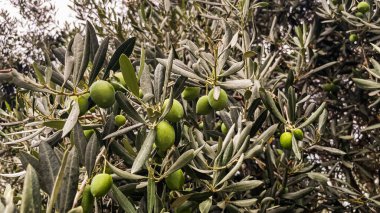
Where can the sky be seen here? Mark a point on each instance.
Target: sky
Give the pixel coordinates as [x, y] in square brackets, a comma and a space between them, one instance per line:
[63, 14]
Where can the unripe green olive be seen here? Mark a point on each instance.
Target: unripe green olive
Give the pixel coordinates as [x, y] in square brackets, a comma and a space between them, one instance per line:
[120, 120]
[176, 112]
[141, 94]
[203, 107]
[219, 104]
[298, 134]
[83, 103]
[286, 140]
[165, 136]
[175, 180]
[102, 93]
[87, 200]
[191, 93]
[201, 125]
[101, 184]
[88, 133]
[224, 129]
[359, 14]
[353, 37]
[363, 7]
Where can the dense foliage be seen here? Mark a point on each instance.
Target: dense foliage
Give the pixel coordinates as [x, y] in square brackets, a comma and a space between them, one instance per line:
[202, 106]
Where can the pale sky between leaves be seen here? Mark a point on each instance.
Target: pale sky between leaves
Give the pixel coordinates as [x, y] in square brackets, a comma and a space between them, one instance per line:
[64, 13]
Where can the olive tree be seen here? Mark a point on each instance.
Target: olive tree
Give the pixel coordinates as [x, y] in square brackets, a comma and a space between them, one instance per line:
[203, 106]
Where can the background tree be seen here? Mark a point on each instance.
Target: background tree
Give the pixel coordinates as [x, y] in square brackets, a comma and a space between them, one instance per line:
[25, 35]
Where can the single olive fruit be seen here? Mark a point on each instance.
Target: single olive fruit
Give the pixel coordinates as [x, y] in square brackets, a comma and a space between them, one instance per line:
[279, 152]
[119, 77]
[222, 101]
[87, 200]
[298, 134]
[88, 133]
[102, 93]
[363, 7]
[340, 8]
[120, 120]
[224, 129]
[175, 113]
[353, 37]
[359, 14]
[286, 140]
[201, 125]
[141, 94]
[203, 107]
[327, 87]
[101, 184]
[165, 136]
[83, 103]
[191, 93]
[175, 180]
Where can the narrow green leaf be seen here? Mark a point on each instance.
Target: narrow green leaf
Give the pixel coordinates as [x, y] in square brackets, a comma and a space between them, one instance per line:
[31, 197]
[368, 128]
[205, 206]
[78, 50]
[313, 116]
[129, 74]
[92, 150]
[125, 174]
[242, 186]
[366, 84]
[94, 43]
[57, 184]
[99, 60]
[295, 148]
[151, 198]
[71, 120]
[123, 131]
[328, 149]
[38, 73]
[271, 105]
[298, 194]
[182, 161]
[144, 152]
[232, 171]
[79, 140]
[244, 203]
[125, 48]
[124, 104]
[236, 67]
[70, 181]
[49, 166]
[123, 201]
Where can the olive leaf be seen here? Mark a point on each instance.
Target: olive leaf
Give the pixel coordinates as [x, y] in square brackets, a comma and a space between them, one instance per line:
[125, 48]
[31, 197]
[129, 74]
[70, 181]
[99, 60]
[48, 166]
[122, 200]
[313, 116]
[92, 150]
[144, 152]
[125, 174]
[271, 105]
[71, 120]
